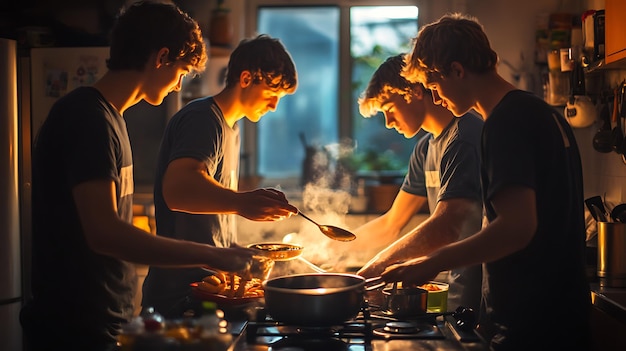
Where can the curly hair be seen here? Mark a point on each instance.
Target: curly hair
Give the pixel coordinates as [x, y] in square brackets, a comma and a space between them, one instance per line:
[267, 59]
[453, 38]
[144, 27]
[386, 81]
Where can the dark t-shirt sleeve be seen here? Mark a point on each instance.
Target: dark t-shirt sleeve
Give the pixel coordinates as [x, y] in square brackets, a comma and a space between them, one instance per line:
[460, 172]
[197, 136]
[414, 181]
[506, 151]
[91, 153]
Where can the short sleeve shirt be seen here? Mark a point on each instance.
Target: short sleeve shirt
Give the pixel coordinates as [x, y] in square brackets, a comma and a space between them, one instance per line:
[527, 143]
[197, 131]
[447, 166]
[83, 139]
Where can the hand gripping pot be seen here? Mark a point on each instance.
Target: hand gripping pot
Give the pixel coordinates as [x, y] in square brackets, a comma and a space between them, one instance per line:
[317, 300]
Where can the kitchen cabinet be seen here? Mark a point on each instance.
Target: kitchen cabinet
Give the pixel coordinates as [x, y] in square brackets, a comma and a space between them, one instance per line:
[607, 332]
[615, 27]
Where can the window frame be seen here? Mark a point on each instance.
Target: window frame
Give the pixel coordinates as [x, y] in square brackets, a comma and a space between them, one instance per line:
[345, 107]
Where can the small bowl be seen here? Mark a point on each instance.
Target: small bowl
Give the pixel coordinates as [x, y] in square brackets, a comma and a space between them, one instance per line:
[437, 296]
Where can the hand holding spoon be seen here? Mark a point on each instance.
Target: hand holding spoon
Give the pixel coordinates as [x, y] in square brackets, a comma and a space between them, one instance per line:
[330, 231]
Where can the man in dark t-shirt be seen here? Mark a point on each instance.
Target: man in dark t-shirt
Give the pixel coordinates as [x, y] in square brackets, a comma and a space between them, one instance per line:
[196, 195]
[83, 241]
[532, 193]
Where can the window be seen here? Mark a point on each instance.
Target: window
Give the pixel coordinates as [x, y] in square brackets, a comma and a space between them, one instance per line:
[336, 48]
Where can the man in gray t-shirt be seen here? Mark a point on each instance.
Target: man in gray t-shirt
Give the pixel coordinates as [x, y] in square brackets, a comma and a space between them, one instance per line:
[443, 174]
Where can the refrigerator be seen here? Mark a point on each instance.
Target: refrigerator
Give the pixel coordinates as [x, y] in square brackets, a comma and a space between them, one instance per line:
[11, 291]
[31, 80]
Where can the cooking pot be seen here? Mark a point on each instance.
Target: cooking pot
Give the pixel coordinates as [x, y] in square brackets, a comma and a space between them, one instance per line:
[318, 299]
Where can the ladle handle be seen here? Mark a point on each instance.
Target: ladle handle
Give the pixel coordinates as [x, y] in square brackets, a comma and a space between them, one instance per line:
[377, 283]
[307, 218]
[311, 265]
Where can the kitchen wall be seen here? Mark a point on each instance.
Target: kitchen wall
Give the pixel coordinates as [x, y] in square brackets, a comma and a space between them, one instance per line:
[512, 36]
[510, 25]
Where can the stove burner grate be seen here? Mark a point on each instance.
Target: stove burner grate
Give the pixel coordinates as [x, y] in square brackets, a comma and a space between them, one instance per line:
[407, 330]
[401, 327]
[364, 326]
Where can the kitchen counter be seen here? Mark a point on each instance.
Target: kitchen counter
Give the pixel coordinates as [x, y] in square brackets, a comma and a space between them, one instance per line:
[608, 318]
[612, 301]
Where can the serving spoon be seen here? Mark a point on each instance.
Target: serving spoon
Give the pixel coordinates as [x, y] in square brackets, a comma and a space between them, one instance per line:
[330, 231]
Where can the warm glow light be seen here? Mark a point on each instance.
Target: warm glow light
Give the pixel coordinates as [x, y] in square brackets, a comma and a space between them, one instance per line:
[321, 291]
[288, 238]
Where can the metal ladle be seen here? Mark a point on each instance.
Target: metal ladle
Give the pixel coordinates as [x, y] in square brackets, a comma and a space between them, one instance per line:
[330, 231]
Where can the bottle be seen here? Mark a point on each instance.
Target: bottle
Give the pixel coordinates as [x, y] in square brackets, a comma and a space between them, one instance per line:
[213, 332]
[130, 332]
[153, 338]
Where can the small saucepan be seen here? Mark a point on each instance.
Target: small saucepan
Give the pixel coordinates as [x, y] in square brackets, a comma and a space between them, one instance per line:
[405, 302]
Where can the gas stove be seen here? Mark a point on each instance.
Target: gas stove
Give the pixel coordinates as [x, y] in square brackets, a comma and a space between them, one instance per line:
[370, 330]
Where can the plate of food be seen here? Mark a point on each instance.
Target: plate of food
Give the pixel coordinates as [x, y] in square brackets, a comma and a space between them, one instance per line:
[228, 289]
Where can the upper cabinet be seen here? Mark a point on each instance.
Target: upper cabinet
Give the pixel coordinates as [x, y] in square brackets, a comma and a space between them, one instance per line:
[615, 30]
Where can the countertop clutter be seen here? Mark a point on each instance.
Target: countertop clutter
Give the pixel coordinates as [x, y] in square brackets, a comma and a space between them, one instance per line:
[367, 331]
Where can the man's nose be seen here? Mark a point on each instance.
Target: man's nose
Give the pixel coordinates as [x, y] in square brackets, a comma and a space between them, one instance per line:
[436, 98]
[273, 103]
[390, 121]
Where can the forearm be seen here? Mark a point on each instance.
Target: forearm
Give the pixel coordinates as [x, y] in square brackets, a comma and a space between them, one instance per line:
[386, 228]
[198, 193]
[511, 231]
[126, 242]
[450, 220]
[375, 234]
[429, 236]
[499, 239]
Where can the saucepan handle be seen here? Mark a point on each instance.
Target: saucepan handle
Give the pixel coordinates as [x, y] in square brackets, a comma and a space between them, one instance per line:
[374, 283]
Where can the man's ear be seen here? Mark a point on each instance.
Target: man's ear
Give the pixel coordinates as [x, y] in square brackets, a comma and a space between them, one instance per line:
[418, 92]
[161, 57]
[245, 79]
[457, 70]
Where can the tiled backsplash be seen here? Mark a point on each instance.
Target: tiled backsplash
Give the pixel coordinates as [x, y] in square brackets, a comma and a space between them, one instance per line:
[604, 174]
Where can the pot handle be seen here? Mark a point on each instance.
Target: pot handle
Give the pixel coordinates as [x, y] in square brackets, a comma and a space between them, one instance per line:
[377, 283]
